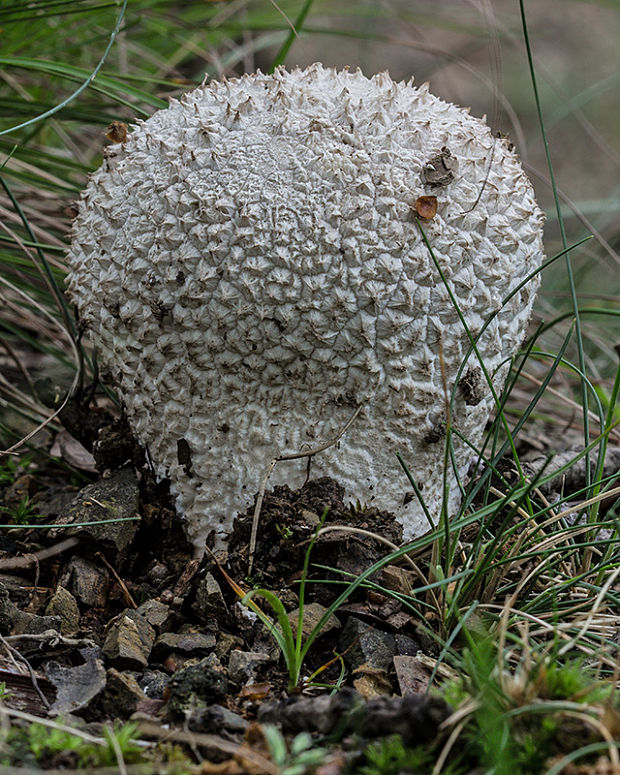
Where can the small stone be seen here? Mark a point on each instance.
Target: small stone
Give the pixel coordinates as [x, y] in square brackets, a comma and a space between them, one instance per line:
[154, 683]
[412, 675]
[129, 640]
[213, 719]
[87, 582]
[123, 695]
[373, 683]
[157, 614]
[196, 686]
[64, 606]
[226, 642]
[113, 498]
[190, 643]
[77, 686]
[242, 665]
[366, 645]
[311, 617]
[157, 574]
[25, 623]
[325, 713]
[7, 611]
[406, 645]
[209, 600]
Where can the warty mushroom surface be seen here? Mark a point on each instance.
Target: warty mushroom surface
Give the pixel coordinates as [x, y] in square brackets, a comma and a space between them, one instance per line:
[250, 266]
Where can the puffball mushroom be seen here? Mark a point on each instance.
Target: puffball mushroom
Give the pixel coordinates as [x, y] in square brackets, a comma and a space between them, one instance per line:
[250, 266]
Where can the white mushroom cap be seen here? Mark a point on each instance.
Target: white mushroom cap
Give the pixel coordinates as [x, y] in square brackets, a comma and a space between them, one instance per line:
[250, 267]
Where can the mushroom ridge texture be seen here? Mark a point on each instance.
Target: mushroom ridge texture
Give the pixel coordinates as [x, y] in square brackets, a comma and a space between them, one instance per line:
[249, 264]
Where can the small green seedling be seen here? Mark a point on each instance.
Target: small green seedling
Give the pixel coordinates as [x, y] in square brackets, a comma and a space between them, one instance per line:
[299, 759]
[118, 741]
[292, 646]
[22, 514]
[390, 756]
[5, 694]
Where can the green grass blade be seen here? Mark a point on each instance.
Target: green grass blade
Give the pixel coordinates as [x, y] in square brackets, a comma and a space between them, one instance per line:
[84, 85]
[569, 268]
[298, 24]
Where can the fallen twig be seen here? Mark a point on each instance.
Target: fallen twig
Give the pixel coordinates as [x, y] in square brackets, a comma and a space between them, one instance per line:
[209, 741]
[131, 603]
[54, 638]
[36, 557]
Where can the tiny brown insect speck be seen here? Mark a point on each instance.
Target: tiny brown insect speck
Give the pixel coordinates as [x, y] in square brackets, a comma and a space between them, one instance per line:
[426, 207]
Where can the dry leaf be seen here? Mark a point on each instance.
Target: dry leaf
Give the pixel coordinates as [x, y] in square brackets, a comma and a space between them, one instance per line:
[72, 452]
[116, 132]
[255, 692]
[426, 207]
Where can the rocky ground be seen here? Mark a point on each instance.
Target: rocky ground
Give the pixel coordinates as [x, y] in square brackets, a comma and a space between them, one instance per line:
[118, 620]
